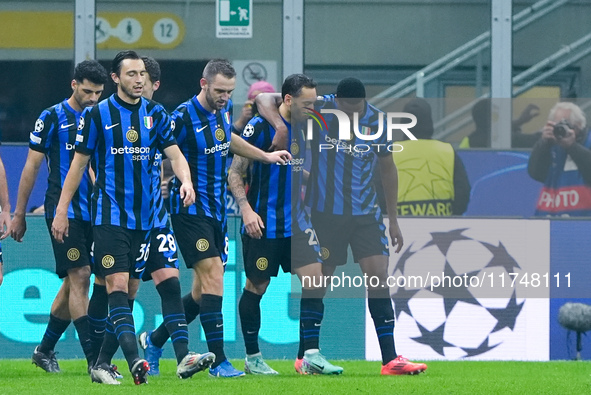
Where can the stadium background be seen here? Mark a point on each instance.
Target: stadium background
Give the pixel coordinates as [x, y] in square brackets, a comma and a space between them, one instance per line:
[391, 40]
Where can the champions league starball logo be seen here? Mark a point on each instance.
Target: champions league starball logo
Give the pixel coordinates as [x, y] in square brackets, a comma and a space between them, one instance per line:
[453, 318]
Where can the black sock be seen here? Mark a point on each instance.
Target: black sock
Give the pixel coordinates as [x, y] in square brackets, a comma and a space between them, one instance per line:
[109, 346]
[191, 308]
[301, 345]
[122, 319]
[98, 309]
[55, 329]
[213, 326]
[174, 316]
[160, 335]
[250, 319]
[311, 314]
[82, 328]
[380, 307]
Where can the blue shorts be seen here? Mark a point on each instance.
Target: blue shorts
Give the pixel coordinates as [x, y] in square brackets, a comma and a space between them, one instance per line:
[163, 252]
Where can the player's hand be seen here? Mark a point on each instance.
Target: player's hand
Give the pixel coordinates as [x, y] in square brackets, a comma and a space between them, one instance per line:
[280, 139]
[396, 235]
[19, 227]
[5, 225]
[60, 227]
[279, 157]
[187, 193]
[548, 132]
[253, 223]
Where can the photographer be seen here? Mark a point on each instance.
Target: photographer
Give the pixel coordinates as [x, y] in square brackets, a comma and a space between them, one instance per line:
[561, 159]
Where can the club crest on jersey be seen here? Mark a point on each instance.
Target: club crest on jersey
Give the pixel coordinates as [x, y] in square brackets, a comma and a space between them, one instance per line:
[262, 263]
[227, 117]
[294, 148]
[39, 125]
[220, 134]
[351, 137]
[132, 135]
[148, 122]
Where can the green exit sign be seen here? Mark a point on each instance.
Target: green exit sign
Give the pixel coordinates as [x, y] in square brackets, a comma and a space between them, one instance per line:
[234, 18]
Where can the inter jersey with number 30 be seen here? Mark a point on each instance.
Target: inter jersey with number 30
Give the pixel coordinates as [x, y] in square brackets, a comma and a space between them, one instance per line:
[123, 140]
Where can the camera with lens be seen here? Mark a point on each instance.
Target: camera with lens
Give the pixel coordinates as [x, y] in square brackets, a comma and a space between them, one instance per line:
[560, 129]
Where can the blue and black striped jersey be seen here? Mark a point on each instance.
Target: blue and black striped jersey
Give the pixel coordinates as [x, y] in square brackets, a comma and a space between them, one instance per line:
[55, 136]
[269, 193]
[298, 151]
[341, 177]
[123, 141]
[204, 139]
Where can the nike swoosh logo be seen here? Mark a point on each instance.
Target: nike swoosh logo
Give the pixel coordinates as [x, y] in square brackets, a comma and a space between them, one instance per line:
[172, 260]
[108, 127]
[139, 270]
[392, 320]
[66, 126]
[199, 130]
[251, 332]
[317, 324]
[219, 325]
[316, 365]
[182, 324]
[116, 321]
[95, 331]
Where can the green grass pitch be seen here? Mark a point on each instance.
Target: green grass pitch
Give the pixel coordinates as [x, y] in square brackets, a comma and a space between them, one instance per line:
[360, 377]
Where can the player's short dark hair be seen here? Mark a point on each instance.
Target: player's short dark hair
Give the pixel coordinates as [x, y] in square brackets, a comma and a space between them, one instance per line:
[92, 71]
[294, 84]
[119, 58]
[218, 66]
[152, 68]
[351, 88]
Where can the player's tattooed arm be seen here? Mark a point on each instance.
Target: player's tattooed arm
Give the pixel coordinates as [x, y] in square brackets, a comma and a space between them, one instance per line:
[236, 179]
[268, 106]
[252, 221]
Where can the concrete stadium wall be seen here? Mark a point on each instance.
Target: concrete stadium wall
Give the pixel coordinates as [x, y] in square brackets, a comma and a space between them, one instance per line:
[374, 33]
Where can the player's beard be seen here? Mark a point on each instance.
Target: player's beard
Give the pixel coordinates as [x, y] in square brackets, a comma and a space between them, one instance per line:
[129, 92]
[212, 103]
[299, 116]
[83, 104]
